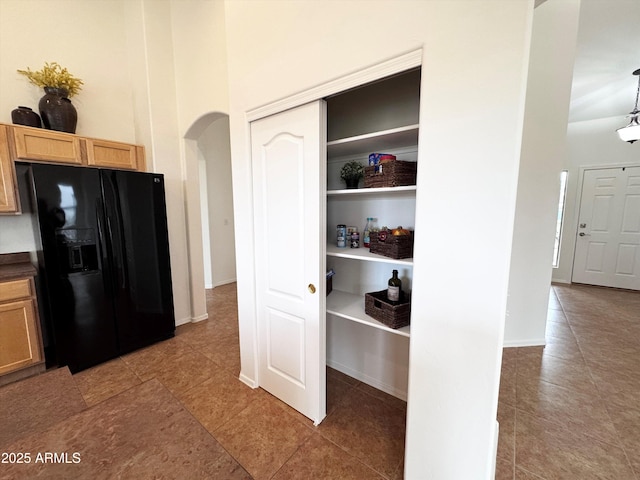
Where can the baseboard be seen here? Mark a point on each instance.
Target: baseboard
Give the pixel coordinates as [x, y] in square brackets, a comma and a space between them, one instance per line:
[374, 382]
[536, 342]
[224, 282]
[560, 281]
[247, 381]
[182, 321]
[199, 318]
[494, 457]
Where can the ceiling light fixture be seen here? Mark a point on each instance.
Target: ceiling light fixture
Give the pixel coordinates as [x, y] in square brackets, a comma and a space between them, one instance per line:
[631, 132]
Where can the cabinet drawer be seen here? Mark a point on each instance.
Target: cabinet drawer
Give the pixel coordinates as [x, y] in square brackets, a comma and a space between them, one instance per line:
[46, 145]
[15, 289]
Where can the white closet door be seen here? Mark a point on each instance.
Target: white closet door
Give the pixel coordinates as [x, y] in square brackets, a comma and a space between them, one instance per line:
[289, 186]
[608, 242]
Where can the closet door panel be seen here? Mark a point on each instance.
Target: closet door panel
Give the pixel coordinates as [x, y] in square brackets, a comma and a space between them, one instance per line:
[289, 205]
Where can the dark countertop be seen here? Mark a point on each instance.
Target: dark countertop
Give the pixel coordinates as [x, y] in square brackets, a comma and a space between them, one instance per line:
[16, 265]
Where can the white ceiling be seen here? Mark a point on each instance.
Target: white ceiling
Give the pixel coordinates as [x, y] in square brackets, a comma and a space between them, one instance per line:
[608, 51]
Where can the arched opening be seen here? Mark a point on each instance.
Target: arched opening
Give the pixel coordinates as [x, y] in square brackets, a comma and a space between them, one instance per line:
[209, 197]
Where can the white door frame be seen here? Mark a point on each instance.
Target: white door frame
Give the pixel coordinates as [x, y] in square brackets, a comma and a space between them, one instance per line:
[375, 72]
[578, 202]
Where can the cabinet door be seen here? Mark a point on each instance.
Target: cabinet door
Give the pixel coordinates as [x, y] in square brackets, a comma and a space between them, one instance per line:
[19, 339]
[289, 203]
[8, 197]
[46, 146]
[103, 153]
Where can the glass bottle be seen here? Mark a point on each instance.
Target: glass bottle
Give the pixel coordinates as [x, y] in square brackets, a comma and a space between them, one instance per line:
[366, 239]
[393, 289]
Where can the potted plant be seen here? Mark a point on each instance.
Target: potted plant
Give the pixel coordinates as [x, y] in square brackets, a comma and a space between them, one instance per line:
[56, 109]
[351, 173]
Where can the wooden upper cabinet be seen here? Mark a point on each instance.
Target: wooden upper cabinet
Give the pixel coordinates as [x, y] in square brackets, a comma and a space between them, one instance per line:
[9, 202]
[46, 146]
[104, 153]
[40, 145]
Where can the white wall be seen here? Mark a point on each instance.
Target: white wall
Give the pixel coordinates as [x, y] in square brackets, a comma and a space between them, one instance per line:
[544, 150]
[591, 143]
[216, 152]
[474, 71]
[33, 32]
[151, 70]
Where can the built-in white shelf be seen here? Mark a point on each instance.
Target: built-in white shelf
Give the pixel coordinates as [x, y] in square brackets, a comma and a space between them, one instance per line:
[374, 142]
[408, 189]
[364, 254]
[351, 307]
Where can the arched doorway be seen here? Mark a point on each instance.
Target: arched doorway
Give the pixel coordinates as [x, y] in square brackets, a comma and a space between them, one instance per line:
[209, 197]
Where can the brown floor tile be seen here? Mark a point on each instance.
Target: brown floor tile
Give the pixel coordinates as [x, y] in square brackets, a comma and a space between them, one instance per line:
[385, 397]
[218, 399]
[580, 412]
[225, 353]
[145, 362]
[141, 433]
[105, 381]
[336, 391]
[368, 429]
[536, 364]
[34, 404]
[185, 372]
[319, 459]
[504, 469]
[522, 474]
[507, 433]
[554, 452]
[262, 437]
[508, 378]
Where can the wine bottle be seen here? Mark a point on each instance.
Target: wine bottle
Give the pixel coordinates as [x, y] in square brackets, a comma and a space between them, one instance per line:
[393, 289]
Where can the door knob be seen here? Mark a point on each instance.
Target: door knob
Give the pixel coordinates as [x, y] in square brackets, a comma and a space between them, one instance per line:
[312, 288]
[582, 234]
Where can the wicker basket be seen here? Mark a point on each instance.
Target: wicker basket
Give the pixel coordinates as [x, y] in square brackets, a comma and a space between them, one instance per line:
[377, 306]
[390, 174]
[394, 246]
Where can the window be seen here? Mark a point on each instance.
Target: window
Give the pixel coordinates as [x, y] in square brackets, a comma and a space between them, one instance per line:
[561, 203]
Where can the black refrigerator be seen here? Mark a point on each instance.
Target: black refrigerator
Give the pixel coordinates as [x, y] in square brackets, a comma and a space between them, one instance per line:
[105, 275]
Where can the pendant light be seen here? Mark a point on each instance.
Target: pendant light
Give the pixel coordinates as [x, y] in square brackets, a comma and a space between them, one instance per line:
[631, 132]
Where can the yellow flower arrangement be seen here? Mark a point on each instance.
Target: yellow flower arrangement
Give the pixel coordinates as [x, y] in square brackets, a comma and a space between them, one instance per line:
[54, 76]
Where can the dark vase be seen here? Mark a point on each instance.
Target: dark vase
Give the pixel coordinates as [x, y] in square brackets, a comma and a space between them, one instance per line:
[25, 116]
[352, 182]
[57, 111]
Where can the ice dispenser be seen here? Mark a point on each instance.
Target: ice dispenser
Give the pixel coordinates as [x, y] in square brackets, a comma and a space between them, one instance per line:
[77, 249]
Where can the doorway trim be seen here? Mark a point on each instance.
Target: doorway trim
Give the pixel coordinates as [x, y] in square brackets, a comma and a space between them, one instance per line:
[375, 72]
[392, 66]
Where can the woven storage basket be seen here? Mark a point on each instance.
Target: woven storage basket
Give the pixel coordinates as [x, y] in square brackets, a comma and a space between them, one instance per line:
[390, 174]
[394, 246]
[377, 306]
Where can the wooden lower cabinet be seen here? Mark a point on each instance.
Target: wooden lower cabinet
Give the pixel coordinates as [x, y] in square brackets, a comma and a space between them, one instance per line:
[20, 340]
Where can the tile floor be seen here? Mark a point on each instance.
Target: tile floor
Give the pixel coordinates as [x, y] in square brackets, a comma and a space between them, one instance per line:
[177, 410]
[570, 410]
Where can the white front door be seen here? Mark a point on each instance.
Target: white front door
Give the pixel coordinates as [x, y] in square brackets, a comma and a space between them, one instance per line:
[289, 185]
[608, 239]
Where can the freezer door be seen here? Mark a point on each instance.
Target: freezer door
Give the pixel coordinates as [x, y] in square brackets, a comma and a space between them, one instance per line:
[74, 268]
[138, 240]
